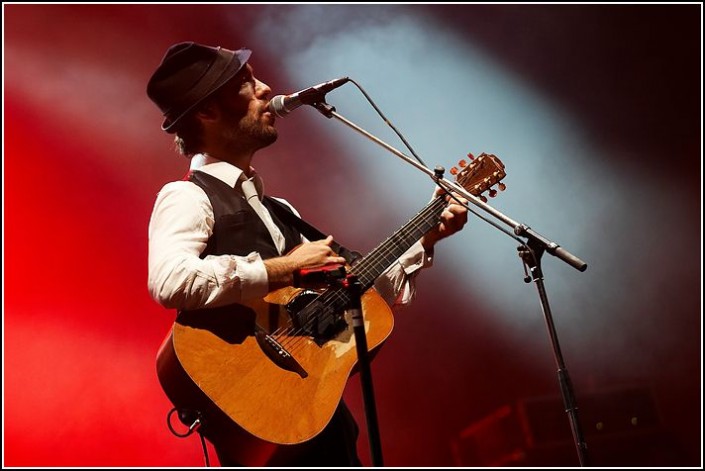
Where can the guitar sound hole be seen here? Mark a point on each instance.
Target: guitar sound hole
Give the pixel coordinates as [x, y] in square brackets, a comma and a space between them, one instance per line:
[314, 318]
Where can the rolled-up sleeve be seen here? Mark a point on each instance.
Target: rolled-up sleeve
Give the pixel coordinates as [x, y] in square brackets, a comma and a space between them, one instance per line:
[180, 226]
[397, 284]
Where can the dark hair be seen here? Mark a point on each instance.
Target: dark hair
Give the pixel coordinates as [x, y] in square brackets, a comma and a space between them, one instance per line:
[188, 138]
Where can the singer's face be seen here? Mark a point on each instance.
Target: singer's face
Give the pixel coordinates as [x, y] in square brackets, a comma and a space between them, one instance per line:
[247, 124]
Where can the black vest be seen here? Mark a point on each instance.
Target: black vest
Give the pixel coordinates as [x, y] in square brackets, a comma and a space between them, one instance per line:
[238, 230]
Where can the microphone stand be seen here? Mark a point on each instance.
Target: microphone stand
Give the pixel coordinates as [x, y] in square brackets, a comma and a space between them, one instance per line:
[530, 251]
[354, 287]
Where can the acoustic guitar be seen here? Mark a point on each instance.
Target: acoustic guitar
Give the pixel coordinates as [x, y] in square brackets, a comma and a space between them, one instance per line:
[278, 366]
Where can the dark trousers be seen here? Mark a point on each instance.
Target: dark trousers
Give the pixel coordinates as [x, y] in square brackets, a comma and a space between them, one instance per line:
[335, 446]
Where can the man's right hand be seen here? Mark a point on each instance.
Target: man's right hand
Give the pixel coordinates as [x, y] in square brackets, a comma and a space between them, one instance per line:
[314, 254]
[317, 253]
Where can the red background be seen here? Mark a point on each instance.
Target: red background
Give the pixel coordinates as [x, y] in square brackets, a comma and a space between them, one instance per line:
[82, 166]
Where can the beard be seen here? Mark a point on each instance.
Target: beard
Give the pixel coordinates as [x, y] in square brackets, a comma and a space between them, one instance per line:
[248, 132]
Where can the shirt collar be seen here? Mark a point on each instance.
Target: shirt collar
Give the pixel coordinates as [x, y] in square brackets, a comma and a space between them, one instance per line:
[225, 171]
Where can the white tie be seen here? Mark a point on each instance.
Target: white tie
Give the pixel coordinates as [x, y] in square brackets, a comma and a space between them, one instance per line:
[250, 192]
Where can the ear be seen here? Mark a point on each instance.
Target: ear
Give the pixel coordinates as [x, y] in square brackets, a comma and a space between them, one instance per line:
[208, 112]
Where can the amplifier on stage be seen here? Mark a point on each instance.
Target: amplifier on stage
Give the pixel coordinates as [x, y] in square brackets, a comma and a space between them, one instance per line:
[621, 427]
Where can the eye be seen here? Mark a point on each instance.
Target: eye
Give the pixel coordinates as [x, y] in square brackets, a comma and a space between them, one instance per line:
[247, 79]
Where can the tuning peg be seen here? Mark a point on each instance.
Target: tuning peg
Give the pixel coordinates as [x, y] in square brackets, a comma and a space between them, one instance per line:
[462, 163]
[501, 186]
[484, 200]
[492, 192]
[470, 156]
[453, 171]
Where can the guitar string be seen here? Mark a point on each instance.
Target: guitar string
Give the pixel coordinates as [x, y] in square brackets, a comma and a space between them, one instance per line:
[338, 296]
[333, 298]
[329, 299]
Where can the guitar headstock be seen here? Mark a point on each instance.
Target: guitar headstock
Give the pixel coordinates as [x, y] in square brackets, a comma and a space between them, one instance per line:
[480, 174]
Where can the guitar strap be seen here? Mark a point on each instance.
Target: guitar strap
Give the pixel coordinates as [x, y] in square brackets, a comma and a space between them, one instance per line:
[308, 231]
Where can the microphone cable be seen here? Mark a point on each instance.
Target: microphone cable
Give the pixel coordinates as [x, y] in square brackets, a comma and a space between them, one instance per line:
[389, 123]
[436, 177]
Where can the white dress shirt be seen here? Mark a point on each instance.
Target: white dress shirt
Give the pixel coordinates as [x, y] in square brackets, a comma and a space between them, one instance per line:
[181, 224]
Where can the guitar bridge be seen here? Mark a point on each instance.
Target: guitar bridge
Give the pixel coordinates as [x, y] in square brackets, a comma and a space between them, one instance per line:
[278, 354]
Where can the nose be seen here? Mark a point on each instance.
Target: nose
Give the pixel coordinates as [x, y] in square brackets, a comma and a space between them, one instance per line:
[262, 89]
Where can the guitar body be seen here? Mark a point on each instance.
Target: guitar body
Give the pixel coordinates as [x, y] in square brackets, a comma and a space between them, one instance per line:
[272, 372]
[219, 353]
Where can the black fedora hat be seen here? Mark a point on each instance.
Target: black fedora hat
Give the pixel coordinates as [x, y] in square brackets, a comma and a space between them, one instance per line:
[189, 73]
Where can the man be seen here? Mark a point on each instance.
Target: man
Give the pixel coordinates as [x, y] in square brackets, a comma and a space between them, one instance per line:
[215, 244]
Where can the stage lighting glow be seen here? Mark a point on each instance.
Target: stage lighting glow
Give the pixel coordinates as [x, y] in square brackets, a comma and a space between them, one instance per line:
[448, 98]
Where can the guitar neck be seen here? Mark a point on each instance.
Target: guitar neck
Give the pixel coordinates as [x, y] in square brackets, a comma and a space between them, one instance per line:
[370, 267]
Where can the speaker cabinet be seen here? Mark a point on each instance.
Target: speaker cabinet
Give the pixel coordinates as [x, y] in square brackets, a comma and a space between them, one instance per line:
[621, 428]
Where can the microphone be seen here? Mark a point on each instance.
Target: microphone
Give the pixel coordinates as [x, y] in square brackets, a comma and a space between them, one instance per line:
[318, 277]
[282, 105]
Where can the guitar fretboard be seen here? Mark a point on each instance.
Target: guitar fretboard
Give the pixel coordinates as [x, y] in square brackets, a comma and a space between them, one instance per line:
[372, 265]
[386, 253]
